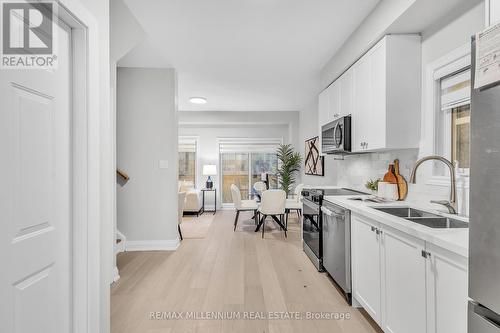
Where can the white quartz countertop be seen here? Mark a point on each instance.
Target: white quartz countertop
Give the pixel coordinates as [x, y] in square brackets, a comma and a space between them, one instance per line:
[455, 240]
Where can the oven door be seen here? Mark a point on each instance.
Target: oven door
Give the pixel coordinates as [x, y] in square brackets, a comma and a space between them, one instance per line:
[311, 231]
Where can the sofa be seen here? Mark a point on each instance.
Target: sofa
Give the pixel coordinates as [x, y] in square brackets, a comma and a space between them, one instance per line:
[193, 200]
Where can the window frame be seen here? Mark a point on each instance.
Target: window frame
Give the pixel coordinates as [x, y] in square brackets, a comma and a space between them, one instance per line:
[196, 163]
[243, 141]
[453, 62]
[444, 123]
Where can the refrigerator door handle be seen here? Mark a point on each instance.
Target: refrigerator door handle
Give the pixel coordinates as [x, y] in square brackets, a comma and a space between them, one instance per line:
[482, 320]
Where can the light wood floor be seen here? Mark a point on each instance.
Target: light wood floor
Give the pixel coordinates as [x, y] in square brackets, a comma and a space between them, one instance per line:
[229, 272]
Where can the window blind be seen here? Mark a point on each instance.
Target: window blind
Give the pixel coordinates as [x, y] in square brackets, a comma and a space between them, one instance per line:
[249, 145]
[187, 145]
[455, 90]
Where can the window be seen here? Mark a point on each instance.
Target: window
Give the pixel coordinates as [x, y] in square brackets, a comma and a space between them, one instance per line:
[242, 161]
[187, 160]
[453, 130]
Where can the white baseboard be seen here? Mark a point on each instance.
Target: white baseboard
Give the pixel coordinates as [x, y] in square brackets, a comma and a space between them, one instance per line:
[116, 274]
[153, 245]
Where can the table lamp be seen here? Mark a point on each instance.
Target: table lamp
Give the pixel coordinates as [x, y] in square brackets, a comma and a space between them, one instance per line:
[209, 170]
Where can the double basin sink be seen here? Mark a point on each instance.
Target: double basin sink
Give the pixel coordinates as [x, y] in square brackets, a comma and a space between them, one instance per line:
[424, 218]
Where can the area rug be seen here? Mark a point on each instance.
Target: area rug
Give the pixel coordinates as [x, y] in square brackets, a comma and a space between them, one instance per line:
[193, 227]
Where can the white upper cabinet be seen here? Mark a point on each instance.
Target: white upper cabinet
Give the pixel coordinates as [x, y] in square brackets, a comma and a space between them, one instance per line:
[323, 106]
[386, 112]
[361, 118]
[337, 100]
[346, 93]
[334, 101]
[382, 93]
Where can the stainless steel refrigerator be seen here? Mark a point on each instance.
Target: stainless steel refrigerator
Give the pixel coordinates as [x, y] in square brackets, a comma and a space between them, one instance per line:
[484, 230]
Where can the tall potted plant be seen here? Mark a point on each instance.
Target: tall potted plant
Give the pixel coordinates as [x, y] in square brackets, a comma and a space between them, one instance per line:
[288, 165]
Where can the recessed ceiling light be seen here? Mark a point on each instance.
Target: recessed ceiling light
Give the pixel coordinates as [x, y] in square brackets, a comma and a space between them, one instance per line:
[198, 100]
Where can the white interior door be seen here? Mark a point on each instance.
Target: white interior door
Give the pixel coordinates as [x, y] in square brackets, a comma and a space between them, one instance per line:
[35, 197]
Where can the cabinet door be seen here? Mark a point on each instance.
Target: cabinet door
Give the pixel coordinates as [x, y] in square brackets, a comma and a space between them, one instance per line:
[334, 101]
[366, 266]
[346, 93]
[362, 102]
[403, 283]
[376, 127]
[322, 113]
[323, 108]
[447, 289]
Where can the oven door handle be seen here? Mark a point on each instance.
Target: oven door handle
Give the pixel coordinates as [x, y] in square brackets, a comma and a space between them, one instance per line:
[330, 213]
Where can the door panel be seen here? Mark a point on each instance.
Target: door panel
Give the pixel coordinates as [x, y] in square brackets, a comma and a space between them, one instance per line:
[362, 102]
[333, 101]
[376, 129]
[35, 197]
[403, 283]
[346, 93]
[366, 266]
[446, 291]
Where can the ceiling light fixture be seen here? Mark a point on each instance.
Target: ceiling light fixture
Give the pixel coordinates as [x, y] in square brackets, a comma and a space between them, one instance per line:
[198, 100]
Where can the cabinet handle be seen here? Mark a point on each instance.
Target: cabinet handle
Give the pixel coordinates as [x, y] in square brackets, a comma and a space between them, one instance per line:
[373, 228]
[379, 232]
[426, 254]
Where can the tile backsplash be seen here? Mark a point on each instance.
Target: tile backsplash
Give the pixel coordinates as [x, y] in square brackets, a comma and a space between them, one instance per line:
[355, 170]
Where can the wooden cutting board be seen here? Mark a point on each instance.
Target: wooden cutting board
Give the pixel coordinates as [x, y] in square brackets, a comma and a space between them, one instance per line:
[390, 176]
[402, 185]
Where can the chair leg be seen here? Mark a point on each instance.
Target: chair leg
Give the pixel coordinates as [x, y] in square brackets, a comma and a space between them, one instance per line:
[236, 219]
[286, 222]
[256, 216]
[263, 224]
[179, 228]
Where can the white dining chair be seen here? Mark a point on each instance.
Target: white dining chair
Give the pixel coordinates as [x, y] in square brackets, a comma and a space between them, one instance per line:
[272, 204]
[294, 203]
[242, 205]
[180, 204]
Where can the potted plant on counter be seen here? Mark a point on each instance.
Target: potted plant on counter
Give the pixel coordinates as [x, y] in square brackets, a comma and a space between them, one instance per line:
[372, 185]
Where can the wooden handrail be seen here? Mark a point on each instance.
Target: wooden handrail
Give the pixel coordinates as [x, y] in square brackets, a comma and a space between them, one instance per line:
[122, 174]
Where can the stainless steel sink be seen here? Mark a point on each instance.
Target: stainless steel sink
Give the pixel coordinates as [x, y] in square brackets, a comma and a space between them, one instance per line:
[427, 219]
[405, 212]
[439, 222]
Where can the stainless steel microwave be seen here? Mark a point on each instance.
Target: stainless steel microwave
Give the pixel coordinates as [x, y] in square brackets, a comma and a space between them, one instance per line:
[336, 136]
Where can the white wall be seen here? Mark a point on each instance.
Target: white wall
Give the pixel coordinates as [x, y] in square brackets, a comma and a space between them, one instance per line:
[147, 133]
[209, 126]
[372, 29]
[442, 37]
[125, 33]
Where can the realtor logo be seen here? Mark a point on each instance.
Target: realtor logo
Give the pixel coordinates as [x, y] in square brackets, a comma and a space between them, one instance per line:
[28, 34]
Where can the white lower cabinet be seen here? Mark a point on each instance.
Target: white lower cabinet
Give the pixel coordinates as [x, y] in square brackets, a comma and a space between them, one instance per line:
[366, 272]
[405, 284]
[447, 294]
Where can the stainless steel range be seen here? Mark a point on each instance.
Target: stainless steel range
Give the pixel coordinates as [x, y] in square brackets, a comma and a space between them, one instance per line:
[312, 221]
